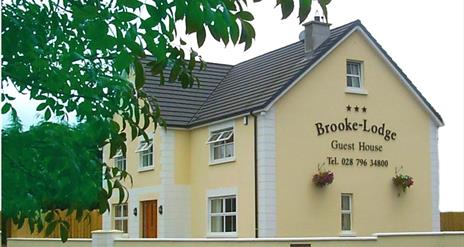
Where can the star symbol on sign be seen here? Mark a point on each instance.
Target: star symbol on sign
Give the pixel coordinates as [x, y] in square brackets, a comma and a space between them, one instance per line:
[364, 109]
[356, 108]
[348, 108]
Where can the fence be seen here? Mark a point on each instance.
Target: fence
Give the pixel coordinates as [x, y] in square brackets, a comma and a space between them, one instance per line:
[115, 239]
[81, 229]
[452, 221]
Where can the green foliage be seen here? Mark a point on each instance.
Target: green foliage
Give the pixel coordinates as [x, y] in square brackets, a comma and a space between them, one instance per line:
[64, 167]
[75, 57]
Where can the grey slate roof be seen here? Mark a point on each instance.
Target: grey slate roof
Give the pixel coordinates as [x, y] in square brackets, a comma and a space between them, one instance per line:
[179, 105]
[227, 91]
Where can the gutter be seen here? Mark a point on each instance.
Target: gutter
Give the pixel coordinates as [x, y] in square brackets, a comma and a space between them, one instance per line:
[255, 139]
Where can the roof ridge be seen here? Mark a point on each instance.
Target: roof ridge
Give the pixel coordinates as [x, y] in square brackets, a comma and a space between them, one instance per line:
[194, 120]
[349, 26]
[282, 47]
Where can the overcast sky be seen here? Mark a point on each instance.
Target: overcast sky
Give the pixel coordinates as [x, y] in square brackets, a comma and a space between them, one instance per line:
[423, 37]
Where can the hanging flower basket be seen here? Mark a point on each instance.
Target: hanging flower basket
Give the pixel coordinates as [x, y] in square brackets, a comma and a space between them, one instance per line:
[402, 181]
[322, 178]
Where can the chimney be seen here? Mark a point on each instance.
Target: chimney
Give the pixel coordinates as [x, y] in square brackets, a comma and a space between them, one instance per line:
[315, 33]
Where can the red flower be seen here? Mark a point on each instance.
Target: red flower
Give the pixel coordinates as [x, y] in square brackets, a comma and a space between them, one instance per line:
[322, 179]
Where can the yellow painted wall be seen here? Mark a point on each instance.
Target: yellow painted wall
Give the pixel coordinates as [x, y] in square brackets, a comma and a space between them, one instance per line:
[239, 174]
[182, 157]
[140, 178]
[305, 210]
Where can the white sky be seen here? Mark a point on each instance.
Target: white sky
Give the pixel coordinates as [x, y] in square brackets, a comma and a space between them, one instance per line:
[424, 37]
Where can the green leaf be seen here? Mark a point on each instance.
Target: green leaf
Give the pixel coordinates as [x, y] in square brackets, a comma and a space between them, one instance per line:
[158, 67]
[41, 106]
[50, 228]
[180, 9]
[133, 4]
[6, 107]
[286, 6]
[139, 74]
[135, 48]
[234, 32]
[63, 232]
[49, 216]
[122, 61]
[48, 114]
[126, 16]
[201, 36]
[174, 72]
[31, 225]
[305, 8]
[245, 15]
[121, 195]
[324, 4]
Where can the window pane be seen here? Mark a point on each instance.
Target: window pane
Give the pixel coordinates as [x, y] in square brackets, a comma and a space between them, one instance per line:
[124, 210]
[353, 68]
[124, 226]
[346, 202]
[216, 206]
[229, 148]
[346, 222]
[118, 225]
[231, 139]
[349, 83]
[217, 224]
[230, 205]
[230, 223]
[355, 82]
[117, 211]
[214, 137]
[226, 135]
[218, 152]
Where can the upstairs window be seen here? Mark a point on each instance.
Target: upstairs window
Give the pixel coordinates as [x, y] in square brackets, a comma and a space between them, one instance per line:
[120, 161]
[145, 151]
[221, 145]
[353, 74]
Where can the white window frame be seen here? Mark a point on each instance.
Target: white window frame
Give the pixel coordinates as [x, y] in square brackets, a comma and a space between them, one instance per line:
[349, 212]
[223, 214]
[145, 149]
[220, 134]
[121, 218]
[351, 89]
[120, 160]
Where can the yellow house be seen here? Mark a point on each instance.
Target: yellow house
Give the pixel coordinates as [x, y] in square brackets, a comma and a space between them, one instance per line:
[242, 153]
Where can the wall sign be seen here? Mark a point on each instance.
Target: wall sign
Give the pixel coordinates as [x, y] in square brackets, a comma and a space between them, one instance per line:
[359, 147]
[348, 125]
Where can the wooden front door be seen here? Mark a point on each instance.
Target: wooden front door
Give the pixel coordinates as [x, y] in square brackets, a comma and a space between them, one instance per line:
[150, 219]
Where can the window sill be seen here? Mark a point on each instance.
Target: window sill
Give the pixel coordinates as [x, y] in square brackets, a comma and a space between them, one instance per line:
[146, 168]
[221, 235]
[355, 90]
[347, 234]
[222, 161]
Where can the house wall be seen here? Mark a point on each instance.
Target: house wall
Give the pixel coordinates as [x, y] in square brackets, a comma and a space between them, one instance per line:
[235, 177]
[306, 210]
[289, 151]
